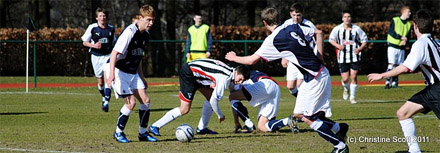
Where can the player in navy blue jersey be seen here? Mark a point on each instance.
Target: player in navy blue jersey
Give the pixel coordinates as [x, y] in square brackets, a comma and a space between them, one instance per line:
[264, 92]
[425, 54]
[291, 41]
[126, 77]
[100, 37]
[210, 77]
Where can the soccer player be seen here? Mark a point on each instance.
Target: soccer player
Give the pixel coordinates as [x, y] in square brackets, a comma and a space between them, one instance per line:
[290, 41]
[100, 37]
[397, 38]
[199, 41]
[264, 93]
[210, 77]
[349, 41]
[293, 76]
[126, 76]
[425, 54]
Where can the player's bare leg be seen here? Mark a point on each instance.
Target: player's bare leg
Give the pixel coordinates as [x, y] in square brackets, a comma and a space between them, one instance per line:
[345, 84]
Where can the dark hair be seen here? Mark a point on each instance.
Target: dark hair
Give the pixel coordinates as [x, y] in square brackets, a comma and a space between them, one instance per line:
[423, 21]
[243, 70]
[101, 10]
[345, 11]
[297, 8]
[269, 15]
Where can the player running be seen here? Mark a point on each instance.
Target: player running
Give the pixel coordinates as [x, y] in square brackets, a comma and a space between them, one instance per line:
[425, 54]
[290, 41]
[211, 78]
[349, 41]
[100, 37]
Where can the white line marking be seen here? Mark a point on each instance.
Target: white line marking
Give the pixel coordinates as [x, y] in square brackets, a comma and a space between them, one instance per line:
[35, 150]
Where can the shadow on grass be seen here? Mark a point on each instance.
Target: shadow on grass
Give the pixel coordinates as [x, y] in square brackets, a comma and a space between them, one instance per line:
[21, 113]
[164, 109]
[235, 136]
[367, 118]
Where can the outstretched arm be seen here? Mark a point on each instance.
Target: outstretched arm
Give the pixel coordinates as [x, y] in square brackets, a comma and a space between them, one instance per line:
[248, 60]
[395, 72]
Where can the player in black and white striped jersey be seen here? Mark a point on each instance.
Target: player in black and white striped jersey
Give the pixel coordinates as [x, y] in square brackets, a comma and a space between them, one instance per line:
[425, 53]
[210, 77]
[349, 40]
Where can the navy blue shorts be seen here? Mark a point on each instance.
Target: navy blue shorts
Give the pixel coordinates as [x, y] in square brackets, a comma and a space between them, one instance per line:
[429, 98]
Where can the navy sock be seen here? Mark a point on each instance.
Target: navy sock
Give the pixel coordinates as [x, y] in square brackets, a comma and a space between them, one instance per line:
[241, 110]
[324, 131]
[275, 124]
[396, 79]
[107, 94]
[327, 121]
[122, 121]
[388, 79]
[144, 116]
[102, 92]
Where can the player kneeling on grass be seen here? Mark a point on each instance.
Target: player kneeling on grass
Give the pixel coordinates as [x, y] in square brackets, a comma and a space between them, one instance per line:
[126, 77]
[425, 54]
[289, 41]
[211, 78]
[264, 93]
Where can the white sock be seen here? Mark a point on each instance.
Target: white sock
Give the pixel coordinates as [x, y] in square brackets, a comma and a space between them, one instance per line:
[335, 127]
[206, 115]
[168, 117]
[285, 121]
[346, 86]
[248, 123]
[340, 145]
[409, 131]
[353, 90]
[145, 106]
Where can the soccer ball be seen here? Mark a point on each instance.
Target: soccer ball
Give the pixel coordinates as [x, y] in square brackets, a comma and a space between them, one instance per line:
[184, 133]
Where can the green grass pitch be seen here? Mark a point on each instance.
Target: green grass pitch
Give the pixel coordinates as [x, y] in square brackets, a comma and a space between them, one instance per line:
[71, 120]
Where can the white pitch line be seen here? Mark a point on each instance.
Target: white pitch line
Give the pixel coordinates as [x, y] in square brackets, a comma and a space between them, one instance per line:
[35, 150]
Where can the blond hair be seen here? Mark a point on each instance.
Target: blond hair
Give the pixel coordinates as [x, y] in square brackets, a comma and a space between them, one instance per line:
[146, 10]
[403, 9]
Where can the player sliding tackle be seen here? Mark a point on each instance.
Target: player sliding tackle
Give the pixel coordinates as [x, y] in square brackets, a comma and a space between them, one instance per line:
[290, 41]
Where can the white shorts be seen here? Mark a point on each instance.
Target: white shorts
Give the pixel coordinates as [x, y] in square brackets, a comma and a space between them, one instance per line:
[265, 94]
[98, 63]
[292, 72]
[314, 96]
[396, 56]
[125, 83]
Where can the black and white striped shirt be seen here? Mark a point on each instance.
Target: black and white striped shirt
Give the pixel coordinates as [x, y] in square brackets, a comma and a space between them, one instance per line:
[213, 73]
[352, 40]
[425, 53]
